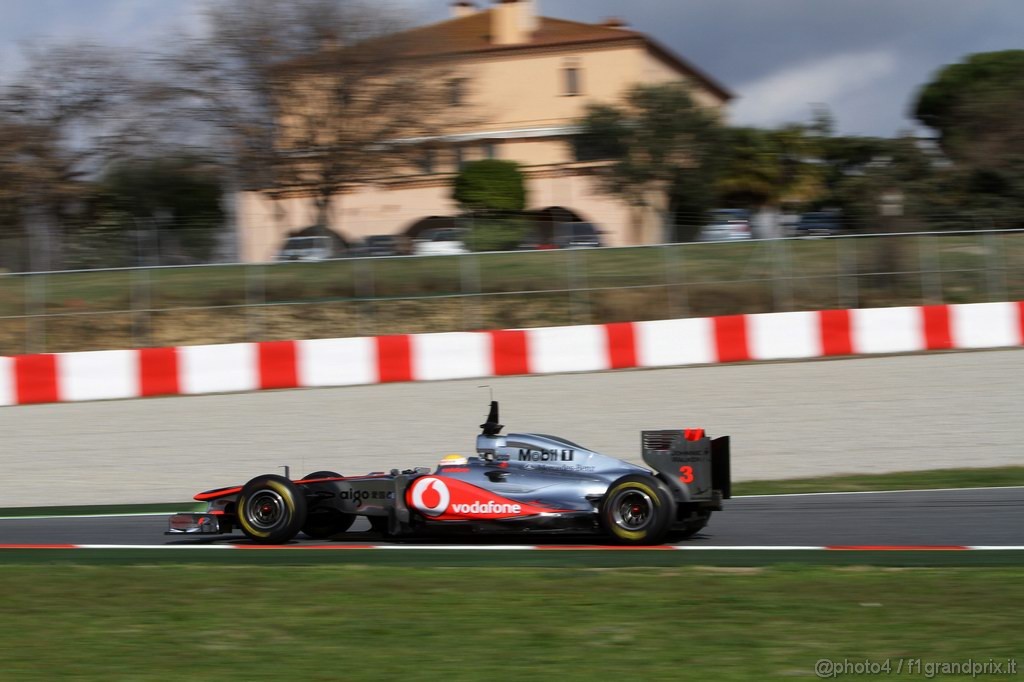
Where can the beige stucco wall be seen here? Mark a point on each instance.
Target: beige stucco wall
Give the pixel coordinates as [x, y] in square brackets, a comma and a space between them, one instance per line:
[377, 210]
[507, 94]
[511, 91]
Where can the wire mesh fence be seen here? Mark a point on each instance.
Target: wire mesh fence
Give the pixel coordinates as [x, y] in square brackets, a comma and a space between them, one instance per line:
[223, 303]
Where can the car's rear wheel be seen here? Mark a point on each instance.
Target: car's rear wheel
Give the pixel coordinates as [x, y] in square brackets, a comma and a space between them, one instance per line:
[271, 509]
[323, 522]
[637, 510]
[691, 526]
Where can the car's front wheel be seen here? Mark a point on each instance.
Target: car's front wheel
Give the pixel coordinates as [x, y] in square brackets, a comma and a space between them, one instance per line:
[271, 510]
[637, 510]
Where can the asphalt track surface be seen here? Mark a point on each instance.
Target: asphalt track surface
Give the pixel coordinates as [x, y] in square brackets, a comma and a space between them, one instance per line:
[970, 517]
[787, 420]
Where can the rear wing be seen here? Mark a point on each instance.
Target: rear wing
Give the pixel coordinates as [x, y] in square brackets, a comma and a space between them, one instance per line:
[695, 466]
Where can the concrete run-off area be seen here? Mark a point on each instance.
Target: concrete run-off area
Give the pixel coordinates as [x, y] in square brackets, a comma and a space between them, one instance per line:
[863, 415]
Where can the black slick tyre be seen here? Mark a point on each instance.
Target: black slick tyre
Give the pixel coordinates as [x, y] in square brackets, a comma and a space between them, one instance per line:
[691, 527]
[271, 510]
[323, 522]
[637, 510]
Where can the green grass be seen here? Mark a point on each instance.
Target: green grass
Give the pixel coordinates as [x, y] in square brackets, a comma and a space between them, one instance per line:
[385, 623]
[902, 480]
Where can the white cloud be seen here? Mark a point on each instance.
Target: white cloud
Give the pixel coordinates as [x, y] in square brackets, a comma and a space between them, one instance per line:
[787, 95]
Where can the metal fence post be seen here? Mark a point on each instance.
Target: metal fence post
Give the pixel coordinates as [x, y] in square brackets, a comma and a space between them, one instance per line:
[577, 277]
[255, 298]
[782, 285]
[931, 270]
[469, 276]
[853, 263]
[363, 287]
[670, 294]
[996, 266]
[141, 303]
[35, 309]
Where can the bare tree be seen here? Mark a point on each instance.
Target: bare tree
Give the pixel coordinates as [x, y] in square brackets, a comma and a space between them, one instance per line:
[308, 97]
[64, 116]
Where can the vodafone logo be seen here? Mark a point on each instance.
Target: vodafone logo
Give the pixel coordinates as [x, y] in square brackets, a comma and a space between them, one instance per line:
[430, 496]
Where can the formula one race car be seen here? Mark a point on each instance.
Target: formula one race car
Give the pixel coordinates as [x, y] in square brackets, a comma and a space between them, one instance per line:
[525, 482]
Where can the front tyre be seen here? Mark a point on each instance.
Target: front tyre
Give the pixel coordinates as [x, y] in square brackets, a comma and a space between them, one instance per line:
[637, 510]
[271, 510]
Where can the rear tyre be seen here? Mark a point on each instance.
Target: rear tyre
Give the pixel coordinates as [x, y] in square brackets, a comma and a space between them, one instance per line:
[271, 510]
[691, 527]
[324, 522]
[637, 510]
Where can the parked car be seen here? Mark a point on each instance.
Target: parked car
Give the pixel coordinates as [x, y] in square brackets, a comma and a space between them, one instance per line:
[380, 245]
[819, 223]
[578, 236]
[440, 242]
[306, 248]
[564, 236]
[727, 224]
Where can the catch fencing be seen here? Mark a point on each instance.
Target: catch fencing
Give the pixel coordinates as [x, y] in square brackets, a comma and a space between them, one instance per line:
[138, 307]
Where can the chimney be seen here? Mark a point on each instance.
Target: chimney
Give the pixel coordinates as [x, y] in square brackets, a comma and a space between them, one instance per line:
[513, 22]
[615, 22]
[463, 8]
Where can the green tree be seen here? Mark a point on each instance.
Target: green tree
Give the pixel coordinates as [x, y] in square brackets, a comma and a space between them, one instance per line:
[956, 102]
[174, 204]
[975, 106]
[493, 193]
[762, 168]
[489, 186]
[652, 142]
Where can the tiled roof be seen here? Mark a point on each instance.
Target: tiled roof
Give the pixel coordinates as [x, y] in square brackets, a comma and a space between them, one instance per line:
[472, 34]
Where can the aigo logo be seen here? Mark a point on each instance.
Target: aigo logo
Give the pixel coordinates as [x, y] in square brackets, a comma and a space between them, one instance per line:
[430, 496]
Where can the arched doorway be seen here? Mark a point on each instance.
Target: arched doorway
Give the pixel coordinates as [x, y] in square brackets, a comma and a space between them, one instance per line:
[547, 220]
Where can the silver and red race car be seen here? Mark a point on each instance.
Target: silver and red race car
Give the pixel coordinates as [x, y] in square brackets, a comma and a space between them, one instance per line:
[520, 482]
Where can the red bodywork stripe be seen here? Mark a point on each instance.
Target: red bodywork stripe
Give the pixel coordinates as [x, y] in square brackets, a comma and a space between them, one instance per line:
[836, 338]
[214, 494]
[731, 338]
[937, 335]
[278, 367]
[158, 372]
[394, 359]
[35, 378]
[621, 345]
[510, 353]
[693, 434]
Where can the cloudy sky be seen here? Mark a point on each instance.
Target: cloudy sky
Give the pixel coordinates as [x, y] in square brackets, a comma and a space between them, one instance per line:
[864, 59]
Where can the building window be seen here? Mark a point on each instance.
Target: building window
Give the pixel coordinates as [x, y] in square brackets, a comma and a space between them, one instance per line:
[427, 161]
[460, 158]
[457, 92]
[572, 76]
[490, 150]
